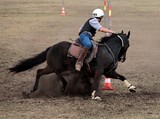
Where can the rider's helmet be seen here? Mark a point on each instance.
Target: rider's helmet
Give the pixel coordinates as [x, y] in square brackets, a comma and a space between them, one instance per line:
[97, 13]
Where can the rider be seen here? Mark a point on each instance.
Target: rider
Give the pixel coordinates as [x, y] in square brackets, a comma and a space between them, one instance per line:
[87, 31]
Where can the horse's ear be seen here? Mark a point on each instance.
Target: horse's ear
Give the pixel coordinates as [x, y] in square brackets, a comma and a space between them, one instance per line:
[128, 34]
[122, 31]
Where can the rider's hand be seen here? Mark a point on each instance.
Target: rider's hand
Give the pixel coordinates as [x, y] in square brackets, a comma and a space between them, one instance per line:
[113, 32]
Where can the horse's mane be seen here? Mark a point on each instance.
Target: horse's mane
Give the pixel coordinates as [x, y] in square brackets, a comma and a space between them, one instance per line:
[106, 38]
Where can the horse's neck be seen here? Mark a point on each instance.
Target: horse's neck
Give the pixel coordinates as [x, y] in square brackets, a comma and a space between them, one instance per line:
[115, 47]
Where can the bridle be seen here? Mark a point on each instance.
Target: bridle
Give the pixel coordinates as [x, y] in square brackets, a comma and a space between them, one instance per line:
[112, 66]
[122, 56]
[122, 44]
[121, 40]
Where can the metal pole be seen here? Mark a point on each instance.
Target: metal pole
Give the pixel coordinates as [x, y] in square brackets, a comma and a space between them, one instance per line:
[105, 13]
[63, 3]
[109, 15]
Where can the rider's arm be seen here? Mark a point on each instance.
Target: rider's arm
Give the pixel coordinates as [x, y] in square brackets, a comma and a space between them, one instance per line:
[95, 24]
[102, 29]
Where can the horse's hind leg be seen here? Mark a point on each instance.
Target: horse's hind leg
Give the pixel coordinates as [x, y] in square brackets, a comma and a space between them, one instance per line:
[32, 94]
[64, 82]
[41, 72]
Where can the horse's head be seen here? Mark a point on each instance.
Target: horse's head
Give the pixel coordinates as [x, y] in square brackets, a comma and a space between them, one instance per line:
[125, 45]
[123, 40]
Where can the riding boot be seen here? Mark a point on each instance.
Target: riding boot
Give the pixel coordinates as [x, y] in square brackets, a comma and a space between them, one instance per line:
[81, 58]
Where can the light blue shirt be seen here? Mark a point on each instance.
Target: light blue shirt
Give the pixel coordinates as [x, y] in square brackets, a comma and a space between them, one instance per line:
[95, 23]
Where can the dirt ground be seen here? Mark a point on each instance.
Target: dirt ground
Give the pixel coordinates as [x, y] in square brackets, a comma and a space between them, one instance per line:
[28, 27]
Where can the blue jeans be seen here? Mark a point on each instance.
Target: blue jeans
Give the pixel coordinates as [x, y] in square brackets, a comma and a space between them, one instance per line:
[85, 40]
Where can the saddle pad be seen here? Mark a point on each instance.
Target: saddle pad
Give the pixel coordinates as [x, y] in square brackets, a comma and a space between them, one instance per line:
[74, 50]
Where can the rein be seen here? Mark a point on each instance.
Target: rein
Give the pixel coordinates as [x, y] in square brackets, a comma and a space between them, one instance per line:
[105, 44]
[114, 61]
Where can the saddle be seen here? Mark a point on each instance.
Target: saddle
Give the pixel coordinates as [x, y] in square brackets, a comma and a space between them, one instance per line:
[75, 49]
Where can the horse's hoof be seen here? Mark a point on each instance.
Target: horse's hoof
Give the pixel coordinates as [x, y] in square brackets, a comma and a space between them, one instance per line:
[62, 88]
[94, 97]
[132, 89]
[25, 95]
[33, 90]
[97, 98]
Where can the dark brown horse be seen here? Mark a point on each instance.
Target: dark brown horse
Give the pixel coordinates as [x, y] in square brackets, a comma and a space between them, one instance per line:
[111, 50]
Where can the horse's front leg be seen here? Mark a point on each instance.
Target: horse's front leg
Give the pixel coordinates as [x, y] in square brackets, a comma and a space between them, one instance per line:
[95, 85]
[131, 88]
[115, 75]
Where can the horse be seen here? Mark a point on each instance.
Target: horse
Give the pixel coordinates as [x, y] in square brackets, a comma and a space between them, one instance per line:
[111, 50]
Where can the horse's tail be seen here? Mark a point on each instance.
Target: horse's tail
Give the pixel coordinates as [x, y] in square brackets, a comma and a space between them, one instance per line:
[30, 62]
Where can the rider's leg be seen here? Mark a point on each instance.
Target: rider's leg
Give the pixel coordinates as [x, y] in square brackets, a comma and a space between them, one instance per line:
[85, 40]
[81, 58]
